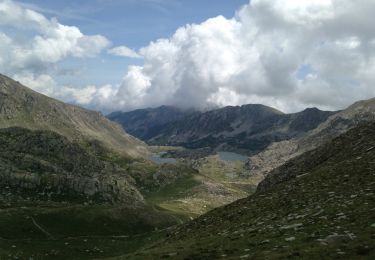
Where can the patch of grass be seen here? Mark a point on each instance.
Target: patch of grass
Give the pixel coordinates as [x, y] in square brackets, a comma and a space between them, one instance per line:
[75, 247]
[167, 197]
[69, 231]
[172, 191]
[215, 183]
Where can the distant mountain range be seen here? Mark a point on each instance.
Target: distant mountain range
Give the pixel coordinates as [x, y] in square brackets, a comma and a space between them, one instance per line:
[248, 128]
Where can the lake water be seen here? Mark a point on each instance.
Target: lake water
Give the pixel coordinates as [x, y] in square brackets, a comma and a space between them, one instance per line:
[156, 158]
[229, 156]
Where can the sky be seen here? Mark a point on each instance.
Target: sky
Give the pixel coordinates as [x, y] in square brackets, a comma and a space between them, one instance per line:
[111, 55]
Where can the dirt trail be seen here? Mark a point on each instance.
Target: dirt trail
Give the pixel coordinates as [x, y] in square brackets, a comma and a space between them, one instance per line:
[49, 235]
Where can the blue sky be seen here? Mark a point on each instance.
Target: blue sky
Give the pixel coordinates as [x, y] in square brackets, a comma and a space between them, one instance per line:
[134, 23]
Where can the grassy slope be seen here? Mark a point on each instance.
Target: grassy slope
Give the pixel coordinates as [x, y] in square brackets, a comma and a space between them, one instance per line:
[214, 184]
[74, 231]
[327, 212]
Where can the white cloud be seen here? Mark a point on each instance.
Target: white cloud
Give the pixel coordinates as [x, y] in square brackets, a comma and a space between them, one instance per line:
[124, 51]
[255, 58]
[43, 83]
[91, 96]
[35, 42]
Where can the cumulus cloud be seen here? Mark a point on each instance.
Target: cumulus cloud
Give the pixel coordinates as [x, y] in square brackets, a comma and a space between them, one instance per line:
[284, 53]
[89, 96]
[43, 83]
[35, 42]
[124, 51]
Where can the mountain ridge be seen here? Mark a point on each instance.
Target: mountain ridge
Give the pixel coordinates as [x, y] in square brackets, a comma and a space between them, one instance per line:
[249, 128]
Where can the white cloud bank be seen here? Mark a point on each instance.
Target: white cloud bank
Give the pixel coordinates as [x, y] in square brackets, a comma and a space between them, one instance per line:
[285, 53]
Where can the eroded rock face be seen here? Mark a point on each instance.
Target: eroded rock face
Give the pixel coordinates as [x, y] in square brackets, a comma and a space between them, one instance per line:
[46, 163]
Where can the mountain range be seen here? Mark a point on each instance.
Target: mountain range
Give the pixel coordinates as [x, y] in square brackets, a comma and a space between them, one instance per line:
[249, 128]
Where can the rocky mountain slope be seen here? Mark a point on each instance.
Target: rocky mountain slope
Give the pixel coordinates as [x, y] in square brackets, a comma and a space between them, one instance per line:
[49, 166]
[320, 206]
[280, 152]
[249, 128]
[22, 107]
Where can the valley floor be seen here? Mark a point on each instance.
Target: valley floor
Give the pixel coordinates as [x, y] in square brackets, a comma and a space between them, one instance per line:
[47, 228]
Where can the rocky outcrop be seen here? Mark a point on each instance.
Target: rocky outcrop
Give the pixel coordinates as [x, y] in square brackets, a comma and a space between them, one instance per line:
[47, 164]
